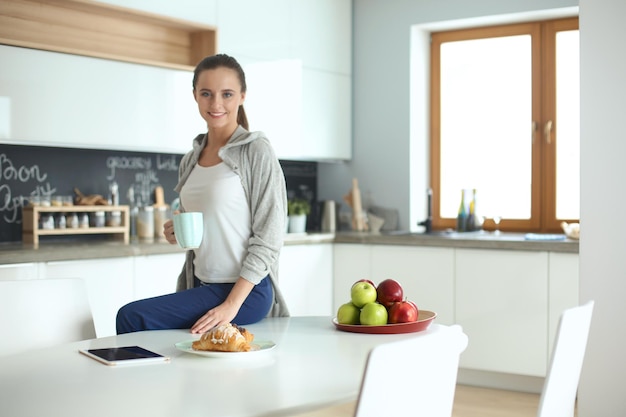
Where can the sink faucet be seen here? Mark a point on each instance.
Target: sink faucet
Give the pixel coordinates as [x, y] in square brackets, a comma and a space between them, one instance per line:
[428, 223]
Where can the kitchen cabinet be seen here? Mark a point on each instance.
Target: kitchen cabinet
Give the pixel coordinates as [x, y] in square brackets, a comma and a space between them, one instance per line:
[317, 33]
[109, 285]
[254, 29]
[298, 60]
[156, 275]
[563, 289]
[326, 130]
[351, 262]
[426, 275]
[11, 272]
[322, 34]
[297, 57]
[139, 107]
[502, 304]
[305, 278]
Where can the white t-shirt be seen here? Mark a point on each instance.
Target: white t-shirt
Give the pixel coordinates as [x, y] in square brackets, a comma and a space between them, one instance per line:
[217, 192]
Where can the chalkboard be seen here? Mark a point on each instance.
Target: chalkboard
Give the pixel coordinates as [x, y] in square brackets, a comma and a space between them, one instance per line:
[27, 171]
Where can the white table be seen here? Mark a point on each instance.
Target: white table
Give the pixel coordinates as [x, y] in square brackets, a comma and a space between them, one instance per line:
[313, 365]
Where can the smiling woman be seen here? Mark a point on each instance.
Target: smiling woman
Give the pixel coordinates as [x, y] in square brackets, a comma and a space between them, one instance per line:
[234, 179]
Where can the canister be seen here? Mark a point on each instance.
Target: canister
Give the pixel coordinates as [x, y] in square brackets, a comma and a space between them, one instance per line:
[97, 219]
[329, 212]
[114, 218]
[145, 223]
[160, 217]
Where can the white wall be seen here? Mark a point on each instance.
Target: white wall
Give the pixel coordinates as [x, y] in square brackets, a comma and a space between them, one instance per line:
[602, 245]
[385, 131]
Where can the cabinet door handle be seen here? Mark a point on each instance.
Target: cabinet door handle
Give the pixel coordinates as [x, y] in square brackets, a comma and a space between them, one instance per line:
[547, 130]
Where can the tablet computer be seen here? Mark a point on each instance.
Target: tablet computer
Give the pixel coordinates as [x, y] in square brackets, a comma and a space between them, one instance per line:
[126, 355]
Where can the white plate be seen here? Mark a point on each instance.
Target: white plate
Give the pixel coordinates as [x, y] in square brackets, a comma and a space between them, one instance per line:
[259, 348]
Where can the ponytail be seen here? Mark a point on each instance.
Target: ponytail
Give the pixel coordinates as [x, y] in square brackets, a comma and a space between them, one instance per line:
[242, 119]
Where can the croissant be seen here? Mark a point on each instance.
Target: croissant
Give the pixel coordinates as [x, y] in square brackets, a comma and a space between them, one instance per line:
[225, 338]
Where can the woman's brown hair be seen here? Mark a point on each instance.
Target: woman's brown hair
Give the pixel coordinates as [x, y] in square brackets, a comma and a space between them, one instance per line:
[226, 61]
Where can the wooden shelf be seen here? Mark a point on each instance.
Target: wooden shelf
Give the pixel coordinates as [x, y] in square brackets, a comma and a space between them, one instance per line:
[84, 27]
[31, 231]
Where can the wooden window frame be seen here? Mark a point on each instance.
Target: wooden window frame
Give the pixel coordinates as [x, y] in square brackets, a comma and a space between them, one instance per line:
[543, 155]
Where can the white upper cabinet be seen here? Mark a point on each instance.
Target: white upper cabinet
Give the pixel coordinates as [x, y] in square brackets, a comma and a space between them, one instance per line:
[55, 99]
[296, 54]
[297, 60]
[326, 116]
[322, 33]
[316, 33]
[254, 29]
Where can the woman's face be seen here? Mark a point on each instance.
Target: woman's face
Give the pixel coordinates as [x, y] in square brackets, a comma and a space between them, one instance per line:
[218, 94]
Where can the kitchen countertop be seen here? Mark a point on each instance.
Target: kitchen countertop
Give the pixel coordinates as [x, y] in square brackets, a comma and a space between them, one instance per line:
[15, 253]
[470, 240]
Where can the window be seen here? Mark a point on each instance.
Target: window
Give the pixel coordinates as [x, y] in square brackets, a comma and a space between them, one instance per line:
[505, 121]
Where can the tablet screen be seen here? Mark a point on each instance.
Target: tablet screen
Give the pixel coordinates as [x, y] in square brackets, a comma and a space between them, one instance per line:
[125, 354]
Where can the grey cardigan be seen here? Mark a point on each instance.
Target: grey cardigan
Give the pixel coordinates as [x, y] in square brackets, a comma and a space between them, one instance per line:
[251, 157]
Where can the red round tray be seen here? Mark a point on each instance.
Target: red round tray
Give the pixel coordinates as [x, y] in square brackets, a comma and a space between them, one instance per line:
[424, 319]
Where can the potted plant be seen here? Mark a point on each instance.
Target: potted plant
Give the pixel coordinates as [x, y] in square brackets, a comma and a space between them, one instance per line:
[297, 210]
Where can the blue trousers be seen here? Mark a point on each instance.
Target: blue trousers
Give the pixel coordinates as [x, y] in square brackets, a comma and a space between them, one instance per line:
[182, 309]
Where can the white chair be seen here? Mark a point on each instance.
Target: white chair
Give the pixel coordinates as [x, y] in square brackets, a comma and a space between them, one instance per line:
[415, 376]
[558, 396]
[43, 312]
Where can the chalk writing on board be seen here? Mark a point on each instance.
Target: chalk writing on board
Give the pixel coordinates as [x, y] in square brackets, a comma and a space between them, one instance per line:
[11, 205]
[146, 175]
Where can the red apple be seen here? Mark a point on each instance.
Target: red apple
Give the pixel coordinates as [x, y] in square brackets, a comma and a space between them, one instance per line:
[403, 312]
[388, 292]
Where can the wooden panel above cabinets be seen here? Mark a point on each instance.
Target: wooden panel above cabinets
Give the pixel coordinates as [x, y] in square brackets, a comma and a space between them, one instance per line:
[84, 27]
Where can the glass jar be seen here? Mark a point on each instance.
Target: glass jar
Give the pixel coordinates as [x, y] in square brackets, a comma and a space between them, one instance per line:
[160, 217]
[114, 219]
[145, 223]
[56, 200]
[71, 220]
[46, 221]
[83, 220]
[59, 221]
[97, 219]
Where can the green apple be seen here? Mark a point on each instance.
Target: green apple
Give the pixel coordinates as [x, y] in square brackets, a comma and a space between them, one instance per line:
[348, 313]
[361, 293]
[373, 314]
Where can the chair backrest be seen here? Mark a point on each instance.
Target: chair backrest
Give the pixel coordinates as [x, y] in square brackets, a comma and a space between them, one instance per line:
[558, 396]
[416, 376]
[43, 312]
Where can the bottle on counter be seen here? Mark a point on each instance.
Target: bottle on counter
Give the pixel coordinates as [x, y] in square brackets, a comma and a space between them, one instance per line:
[114, 192]
[470, 223]
[134, 211]
[461, 218]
